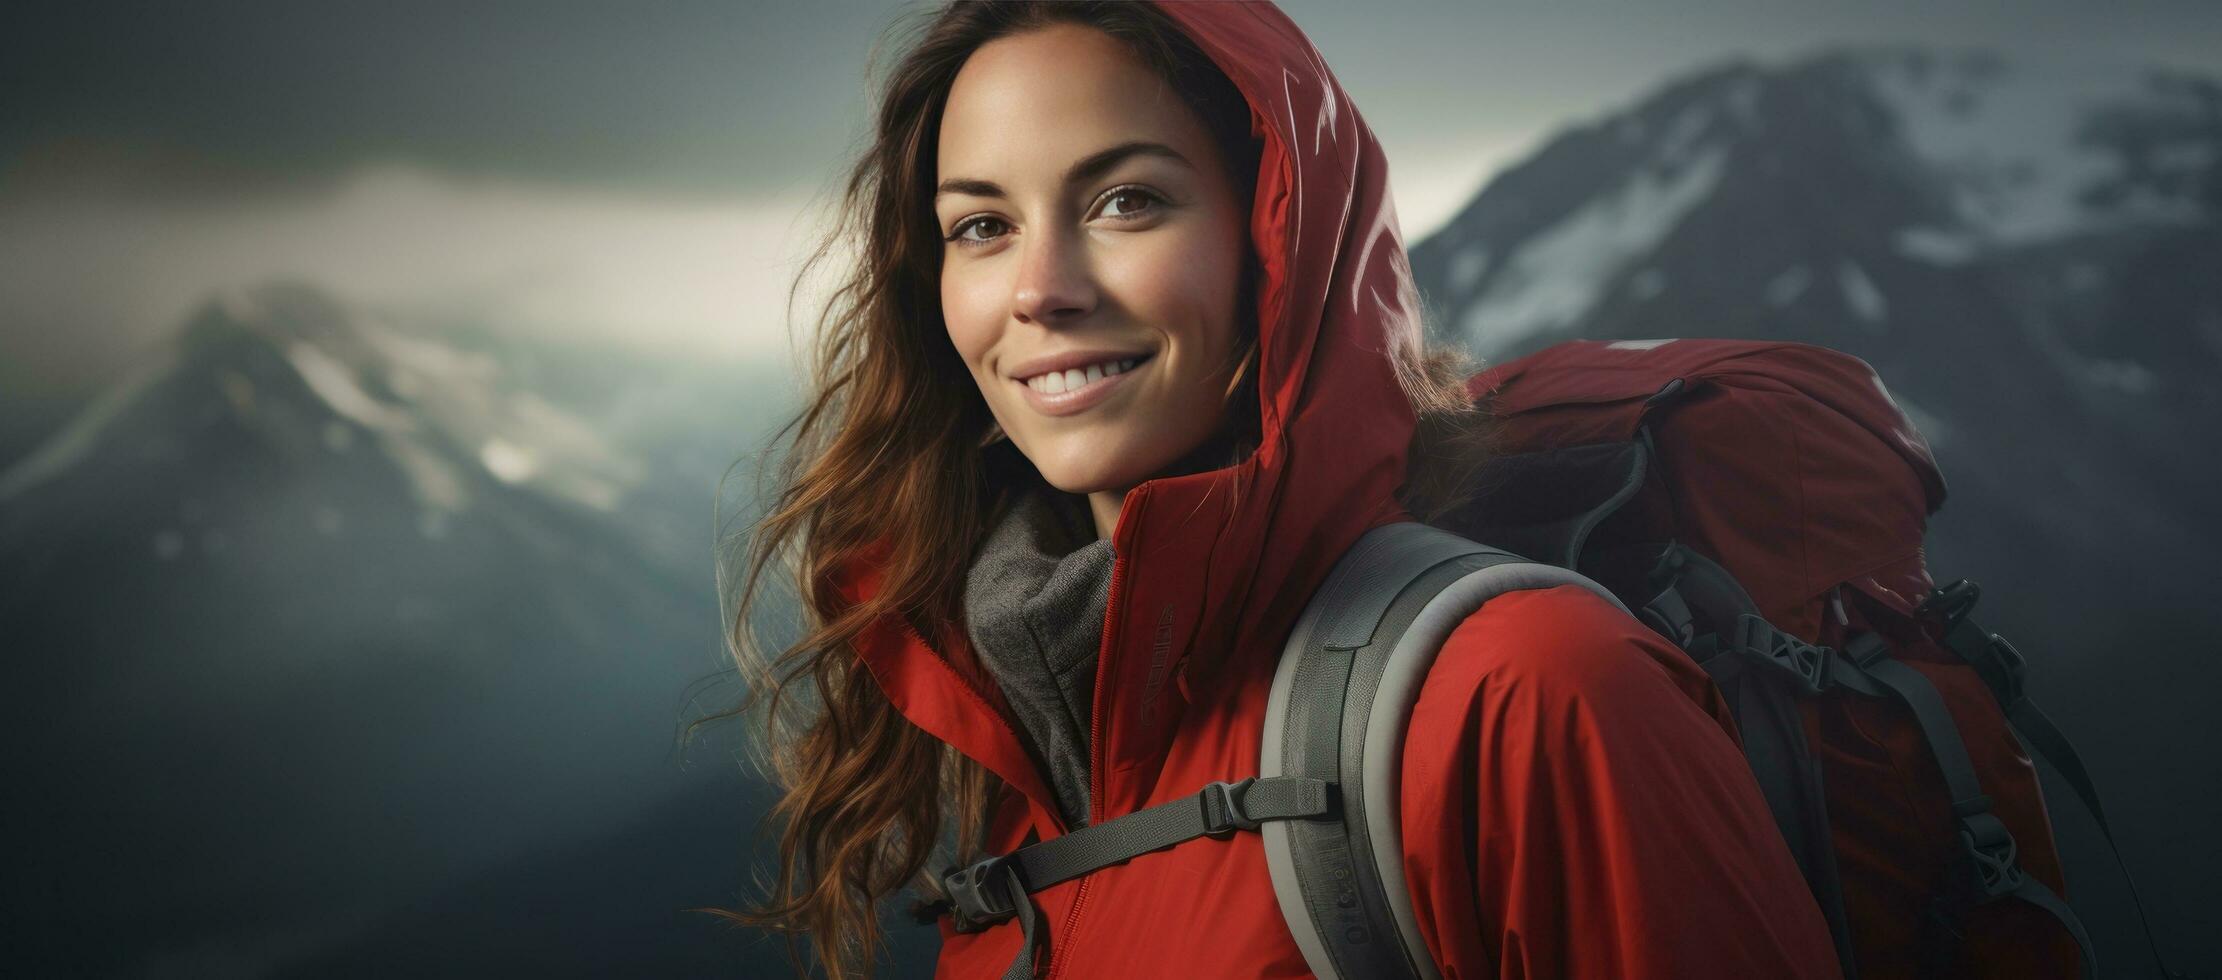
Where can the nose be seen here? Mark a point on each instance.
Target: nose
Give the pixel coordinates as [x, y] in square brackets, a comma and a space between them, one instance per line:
[1055, 285]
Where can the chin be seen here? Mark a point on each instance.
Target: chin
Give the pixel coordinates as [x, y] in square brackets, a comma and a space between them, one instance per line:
[1084, 470]
[1083, 480]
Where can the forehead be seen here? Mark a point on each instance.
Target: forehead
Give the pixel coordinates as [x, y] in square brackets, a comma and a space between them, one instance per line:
[1028, 104]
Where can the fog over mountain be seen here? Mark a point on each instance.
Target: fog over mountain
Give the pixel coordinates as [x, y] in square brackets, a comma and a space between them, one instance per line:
[321, 620]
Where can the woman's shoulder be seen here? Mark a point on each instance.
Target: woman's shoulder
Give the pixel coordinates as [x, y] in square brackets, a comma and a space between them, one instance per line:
[1573, 804]
[1560, 648]
[1569, 774]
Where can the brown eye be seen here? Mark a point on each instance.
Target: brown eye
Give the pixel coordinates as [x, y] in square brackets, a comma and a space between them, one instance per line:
[1129, 202]
[963, 233]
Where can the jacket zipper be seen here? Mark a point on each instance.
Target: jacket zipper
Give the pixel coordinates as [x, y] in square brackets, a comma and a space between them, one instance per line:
[1057, 957]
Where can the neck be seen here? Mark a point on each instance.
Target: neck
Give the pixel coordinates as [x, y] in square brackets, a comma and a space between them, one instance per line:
[1104, 505]
[1215, 453]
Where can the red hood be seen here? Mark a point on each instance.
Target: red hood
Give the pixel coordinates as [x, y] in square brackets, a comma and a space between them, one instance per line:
[1213, 567]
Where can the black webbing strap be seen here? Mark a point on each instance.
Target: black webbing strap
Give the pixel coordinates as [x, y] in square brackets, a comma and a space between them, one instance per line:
[1987, 867]
[2001, 667]
[996, 889]
[1700, 606]
[1764, 674]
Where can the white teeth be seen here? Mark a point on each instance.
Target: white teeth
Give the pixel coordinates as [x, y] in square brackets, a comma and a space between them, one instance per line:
[1073, 379]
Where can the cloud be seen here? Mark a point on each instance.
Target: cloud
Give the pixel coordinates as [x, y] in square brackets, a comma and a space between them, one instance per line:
[90, 270]
[1433, 182]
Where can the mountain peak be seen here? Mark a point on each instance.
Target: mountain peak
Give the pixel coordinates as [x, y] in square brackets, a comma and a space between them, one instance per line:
[275, 311]
[1815, 189]
[308, 375]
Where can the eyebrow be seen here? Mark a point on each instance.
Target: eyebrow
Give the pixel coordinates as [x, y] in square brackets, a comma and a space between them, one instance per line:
[1090, 167]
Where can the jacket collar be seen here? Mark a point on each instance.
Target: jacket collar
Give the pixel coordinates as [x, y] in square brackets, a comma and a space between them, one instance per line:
[1212, 568]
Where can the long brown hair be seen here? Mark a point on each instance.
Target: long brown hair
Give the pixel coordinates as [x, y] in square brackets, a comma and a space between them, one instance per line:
[893, 456]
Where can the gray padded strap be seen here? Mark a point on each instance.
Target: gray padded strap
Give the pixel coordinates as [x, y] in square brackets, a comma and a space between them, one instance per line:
[1373, 573]
[1340, 701]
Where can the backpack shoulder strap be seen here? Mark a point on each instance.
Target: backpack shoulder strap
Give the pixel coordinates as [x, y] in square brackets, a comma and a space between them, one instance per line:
[1341, 696]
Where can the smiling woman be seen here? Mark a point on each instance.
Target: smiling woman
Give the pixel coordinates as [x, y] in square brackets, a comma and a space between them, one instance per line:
[1131, 356]
[1092, 282]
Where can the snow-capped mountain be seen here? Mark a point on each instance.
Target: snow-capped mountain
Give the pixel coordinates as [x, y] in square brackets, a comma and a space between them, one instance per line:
[318, 618]
[2030, 256]
[1821, 189]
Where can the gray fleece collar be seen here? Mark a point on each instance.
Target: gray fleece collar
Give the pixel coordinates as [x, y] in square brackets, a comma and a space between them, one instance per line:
[1034, 606]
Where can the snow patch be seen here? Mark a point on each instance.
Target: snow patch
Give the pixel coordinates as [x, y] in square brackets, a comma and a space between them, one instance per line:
[82, 434]
[508, 462]
[1646, 284]
[436, 482]
[1466, 268]
[1860, 293]
[335, 382]
[2126, 376]
[1557, 276]
[1683, 133]
[2010, 141]
[1787, 285]
[417, 358]
[1935, 246]
[1743, 101]
[452, 397]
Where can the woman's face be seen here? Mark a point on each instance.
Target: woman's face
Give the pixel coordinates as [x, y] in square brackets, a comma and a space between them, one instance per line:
[1092, 255]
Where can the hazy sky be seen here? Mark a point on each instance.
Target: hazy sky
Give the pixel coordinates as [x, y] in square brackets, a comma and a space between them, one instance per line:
[600, 166]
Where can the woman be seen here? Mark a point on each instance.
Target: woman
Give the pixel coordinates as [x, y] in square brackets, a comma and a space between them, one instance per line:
[1131, 355]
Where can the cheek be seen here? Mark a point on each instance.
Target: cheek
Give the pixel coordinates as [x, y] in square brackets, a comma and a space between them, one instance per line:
[969, 311]
[1185, 285]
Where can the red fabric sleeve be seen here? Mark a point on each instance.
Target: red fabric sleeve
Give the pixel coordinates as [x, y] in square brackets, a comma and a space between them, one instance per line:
[1575, 805]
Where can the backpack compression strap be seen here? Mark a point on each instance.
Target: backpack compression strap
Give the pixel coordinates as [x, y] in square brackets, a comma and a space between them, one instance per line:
[1985, 865]
[2001, 667]
[1340, 700]
[1986, 868]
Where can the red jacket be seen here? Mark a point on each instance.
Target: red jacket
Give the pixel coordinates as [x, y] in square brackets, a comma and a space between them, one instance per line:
[1574, 803]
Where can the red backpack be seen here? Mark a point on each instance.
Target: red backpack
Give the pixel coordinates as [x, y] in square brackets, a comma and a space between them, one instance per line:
[1763, 505]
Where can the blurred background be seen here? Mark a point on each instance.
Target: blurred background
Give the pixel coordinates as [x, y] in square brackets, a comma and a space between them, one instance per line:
[375, 379]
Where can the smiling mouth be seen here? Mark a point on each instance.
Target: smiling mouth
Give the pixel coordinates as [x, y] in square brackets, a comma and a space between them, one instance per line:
[1075, 390]
[1072, 380]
